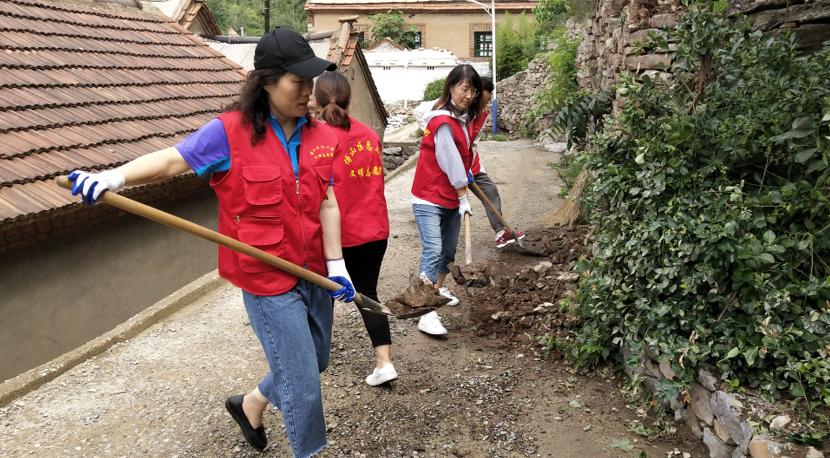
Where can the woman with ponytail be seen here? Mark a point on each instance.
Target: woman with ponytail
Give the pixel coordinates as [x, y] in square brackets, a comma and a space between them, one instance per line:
[357, 170]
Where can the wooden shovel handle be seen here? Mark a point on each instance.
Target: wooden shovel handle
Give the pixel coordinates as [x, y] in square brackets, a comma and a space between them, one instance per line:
[490, 206]
[146, 211]
[468, 244]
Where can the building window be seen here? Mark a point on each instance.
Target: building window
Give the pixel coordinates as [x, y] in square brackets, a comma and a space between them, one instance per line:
[482, 44]
[387, 68]
[418, 39]
[361, 38]
[430, 68]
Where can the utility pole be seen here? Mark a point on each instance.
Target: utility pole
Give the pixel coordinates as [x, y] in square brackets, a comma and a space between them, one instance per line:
[266, 16]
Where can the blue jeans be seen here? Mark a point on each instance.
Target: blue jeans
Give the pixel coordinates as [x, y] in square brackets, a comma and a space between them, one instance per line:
[294, 329]
[438, 228]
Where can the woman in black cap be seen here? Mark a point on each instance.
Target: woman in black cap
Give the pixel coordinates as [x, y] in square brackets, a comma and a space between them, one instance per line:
[270, 167]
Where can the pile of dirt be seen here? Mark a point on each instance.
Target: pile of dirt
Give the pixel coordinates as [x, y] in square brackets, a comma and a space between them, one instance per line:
[525, 304]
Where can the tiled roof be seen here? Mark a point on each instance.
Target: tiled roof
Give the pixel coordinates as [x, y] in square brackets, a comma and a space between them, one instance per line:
[192, 10]
[411, 5]
[91, 87]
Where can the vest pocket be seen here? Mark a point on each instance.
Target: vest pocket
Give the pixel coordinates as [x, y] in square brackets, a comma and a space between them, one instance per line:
[261, 184]
[267, 238]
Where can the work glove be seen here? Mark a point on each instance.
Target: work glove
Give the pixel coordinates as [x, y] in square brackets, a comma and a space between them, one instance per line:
[339, 274]
[464, 206]
[470, 177]
[91, 185]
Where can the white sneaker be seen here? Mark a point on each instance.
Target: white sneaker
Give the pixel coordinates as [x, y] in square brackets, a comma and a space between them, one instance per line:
[431, 324]
[380, 376]
[444, 291]
[424, 279]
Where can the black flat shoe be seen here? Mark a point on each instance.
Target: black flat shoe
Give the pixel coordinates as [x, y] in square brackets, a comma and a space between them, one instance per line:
[256, 437]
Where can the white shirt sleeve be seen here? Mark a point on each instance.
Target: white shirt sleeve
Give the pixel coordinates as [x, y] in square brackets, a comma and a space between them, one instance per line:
[449, 160]
[421, 111]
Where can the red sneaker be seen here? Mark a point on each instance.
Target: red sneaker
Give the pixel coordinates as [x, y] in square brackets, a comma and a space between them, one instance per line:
[506, 238]
[518, 235]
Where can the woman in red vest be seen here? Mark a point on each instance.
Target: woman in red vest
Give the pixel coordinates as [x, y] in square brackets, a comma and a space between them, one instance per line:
[439, 190]
[358, 185]
[271, 169]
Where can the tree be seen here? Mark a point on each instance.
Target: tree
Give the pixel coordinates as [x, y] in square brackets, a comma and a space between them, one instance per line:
[516, 44]
[247, 15]
[393, 25]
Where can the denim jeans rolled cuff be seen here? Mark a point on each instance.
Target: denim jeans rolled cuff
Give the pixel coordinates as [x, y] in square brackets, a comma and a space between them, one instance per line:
[438, 229]
[294, 329]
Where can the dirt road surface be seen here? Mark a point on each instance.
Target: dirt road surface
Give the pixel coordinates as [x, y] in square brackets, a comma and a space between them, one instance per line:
[162, 393]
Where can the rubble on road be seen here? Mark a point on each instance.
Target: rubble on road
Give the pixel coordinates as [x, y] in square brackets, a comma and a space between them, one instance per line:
[530, 306]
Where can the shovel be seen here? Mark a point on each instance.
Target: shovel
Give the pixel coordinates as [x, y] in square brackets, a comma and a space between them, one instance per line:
[159, 216]
[468, 244]
[490, 206]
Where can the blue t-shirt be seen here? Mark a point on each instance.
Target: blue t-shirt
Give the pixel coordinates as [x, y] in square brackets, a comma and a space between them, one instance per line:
[208, 151]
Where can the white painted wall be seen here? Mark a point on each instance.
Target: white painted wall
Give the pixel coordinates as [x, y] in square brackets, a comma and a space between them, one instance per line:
[398, 83]
[403, 74]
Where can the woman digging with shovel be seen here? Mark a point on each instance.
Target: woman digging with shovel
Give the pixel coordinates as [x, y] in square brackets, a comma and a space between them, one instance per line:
[270, 167]
[439, 190]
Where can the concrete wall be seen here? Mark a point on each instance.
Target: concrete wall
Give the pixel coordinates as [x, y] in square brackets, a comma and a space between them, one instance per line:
[452, 31]
[59, 294]
[399, 83]
[362, 107]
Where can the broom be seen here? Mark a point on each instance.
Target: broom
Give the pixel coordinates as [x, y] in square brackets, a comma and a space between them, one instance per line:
[569, 212]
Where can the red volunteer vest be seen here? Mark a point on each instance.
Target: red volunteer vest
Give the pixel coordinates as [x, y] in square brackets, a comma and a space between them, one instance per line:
[475, 128]
[430, 183]
[358, 184]
[262, 204]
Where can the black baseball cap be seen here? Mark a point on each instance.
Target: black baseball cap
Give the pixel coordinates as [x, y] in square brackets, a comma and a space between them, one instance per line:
[287, 49]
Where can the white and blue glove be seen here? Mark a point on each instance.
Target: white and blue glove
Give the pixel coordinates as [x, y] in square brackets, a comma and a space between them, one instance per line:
[91, 185]
[339, 274]
[464, 206]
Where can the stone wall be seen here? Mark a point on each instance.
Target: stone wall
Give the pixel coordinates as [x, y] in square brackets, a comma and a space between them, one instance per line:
[722, 420]
[612, 34]
[611, 37]
[396, 154]
[516, 93]
[809, 20]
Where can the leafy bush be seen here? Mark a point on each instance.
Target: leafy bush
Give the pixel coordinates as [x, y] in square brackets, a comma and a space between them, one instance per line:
[710, 208]
[434, 89]
[551, 14]
[516, 44]
[561, 87]
[392, 24]
[582, 115]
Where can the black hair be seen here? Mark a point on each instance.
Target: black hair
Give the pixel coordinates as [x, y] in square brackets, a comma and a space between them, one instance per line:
[487, 84]
[461, 74]
[253, 100]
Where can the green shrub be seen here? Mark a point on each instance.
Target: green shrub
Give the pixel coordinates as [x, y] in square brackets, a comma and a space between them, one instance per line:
[710, 208]
[516, 44]
[561, 87]
[434, 89]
